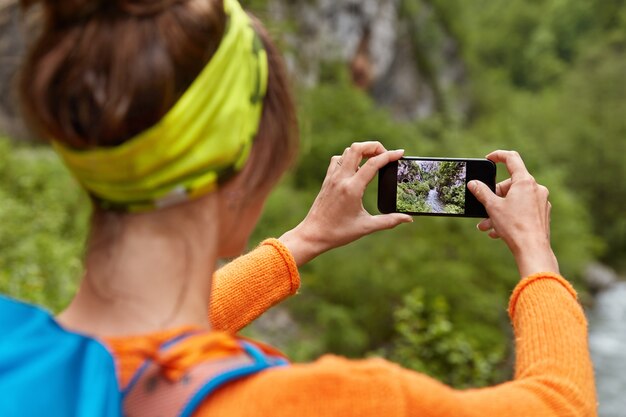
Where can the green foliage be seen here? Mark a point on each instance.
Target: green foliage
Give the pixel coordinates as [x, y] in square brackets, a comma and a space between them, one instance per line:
[428, 341]
[42, 217]
[532, 43]
[454, 209]
[412, 197]
[451, 186]
[333, 116]
[454, 196]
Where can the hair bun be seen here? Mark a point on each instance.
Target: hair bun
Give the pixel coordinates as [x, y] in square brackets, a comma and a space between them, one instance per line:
[144, 7]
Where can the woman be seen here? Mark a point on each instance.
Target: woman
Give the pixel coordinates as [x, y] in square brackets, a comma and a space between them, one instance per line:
[177, 120]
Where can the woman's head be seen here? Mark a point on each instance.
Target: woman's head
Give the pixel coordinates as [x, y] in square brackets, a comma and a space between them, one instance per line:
[104, 71]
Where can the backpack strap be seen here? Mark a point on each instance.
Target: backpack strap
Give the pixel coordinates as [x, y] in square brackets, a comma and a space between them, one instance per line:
[46, 370]
[151, 394]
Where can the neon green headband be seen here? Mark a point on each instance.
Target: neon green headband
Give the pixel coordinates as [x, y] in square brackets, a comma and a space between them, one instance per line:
[205, 137]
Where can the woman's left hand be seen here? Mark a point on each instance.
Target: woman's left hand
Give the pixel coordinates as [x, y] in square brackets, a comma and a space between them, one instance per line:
[337, 216]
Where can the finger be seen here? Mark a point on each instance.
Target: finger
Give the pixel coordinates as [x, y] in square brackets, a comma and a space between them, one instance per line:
[368, 171]
[334, 164]
[353, 155]
[502, 188]
[544, 192]
[485, 225]
[482, 192]
[494, 235]
[387, 221]
[513, 161]
[549, 214]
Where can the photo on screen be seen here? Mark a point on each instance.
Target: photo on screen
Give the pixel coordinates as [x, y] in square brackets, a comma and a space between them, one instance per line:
[436, 187]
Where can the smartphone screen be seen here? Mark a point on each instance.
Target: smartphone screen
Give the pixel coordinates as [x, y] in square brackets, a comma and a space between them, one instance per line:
[433, 186]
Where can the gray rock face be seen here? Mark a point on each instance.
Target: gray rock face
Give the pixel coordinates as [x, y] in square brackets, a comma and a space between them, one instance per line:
[11, 53]
[404, 89]
[337, 28]
[411, 64]
[16, 30]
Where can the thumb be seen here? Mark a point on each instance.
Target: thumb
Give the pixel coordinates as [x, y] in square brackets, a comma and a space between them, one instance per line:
[481, 192]
[388, 221]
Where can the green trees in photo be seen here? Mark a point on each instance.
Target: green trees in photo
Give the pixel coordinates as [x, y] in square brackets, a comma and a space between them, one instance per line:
[451, 186]
[412, 197]
[431, 186]
[414, 184]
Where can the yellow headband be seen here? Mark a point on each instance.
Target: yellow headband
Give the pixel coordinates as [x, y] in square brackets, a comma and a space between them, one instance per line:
[205, 137]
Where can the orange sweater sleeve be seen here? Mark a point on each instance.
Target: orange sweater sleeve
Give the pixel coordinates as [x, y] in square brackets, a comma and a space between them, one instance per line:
[553, 375]
[251, 284]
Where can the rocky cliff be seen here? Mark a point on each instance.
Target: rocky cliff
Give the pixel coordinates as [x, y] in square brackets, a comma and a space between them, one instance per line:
[11, 53]
[402, 52]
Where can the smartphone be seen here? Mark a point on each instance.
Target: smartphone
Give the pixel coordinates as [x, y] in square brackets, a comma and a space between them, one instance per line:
[434, 186]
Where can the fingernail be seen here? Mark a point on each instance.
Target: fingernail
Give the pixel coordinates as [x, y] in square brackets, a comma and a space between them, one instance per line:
[472, 185]
[399, 150]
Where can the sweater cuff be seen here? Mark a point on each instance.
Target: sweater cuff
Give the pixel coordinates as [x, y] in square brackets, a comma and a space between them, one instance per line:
[288, 259]
[526, 282]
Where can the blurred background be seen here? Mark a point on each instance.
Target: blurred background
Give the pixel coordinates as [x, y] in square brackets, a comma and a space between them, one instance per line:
[455, 78]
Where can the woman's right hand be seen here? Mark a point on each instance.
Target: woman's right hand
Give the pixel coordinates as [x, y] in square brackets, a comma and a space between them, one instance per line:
[337, 216]
[519, 214]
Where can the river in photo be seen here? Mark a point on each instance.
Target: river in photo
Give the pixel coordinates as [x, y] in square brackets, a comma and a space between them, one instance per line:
[607, 341]
[434, 202]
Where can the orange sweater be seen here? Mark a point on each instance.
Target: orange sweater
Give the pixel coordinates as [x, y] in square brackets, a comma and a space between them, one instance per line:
[553, 375]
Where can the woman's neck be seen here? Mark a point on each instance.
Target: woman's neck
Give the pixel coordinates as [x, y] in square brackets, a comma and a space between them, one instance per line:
[145, 273]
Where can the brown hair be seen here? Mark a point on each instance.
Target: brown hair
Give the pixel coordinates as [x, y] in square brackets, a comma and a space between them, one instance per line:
[103, 71]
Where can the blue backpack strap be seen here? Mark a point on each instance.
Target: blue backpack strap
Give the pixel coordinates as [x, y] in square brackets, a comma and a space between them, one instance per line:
[46, 370]
[152, 394]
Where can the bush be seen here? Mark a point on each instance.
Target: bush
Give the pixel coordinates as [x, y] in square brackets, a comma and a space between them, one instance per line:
[412, 197]
[42, 226]
[427, 341]
[453, 195]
